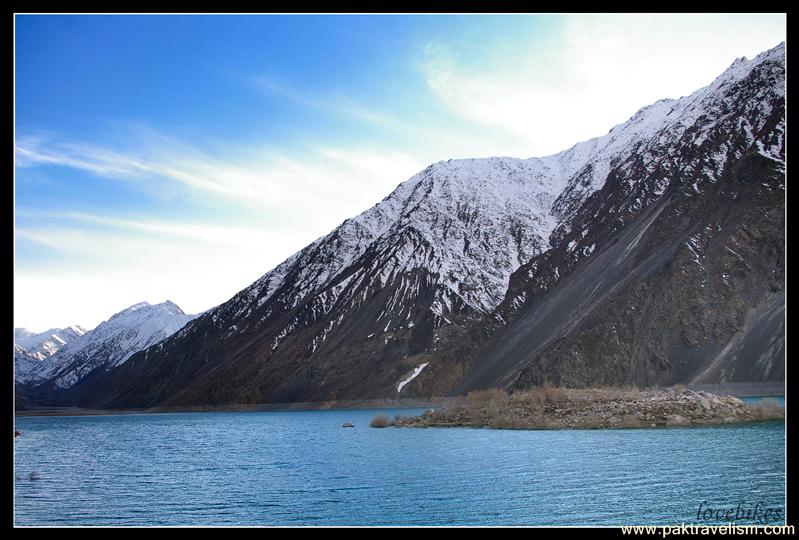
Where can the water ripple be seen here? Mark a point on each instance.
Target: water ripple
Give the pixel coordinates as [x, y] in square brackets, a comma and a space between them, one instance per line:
[301, 468]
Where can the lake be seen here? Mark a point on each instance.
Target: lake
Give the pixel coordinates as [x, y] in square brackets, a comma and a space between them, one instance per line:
[303, 468]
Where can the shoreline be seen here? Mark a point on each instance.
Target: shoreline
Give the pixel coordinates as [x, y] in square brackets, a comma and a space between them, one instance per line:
[731, 389]
[553, 408]
[407, 403]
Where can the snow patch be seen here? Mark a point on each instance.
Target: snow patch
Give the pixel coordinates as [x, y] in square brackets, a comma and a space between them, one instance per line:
[415, 373]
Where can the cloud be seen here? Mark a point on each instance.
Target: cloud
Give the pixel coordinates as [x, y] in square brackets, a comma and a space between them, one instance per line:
[597, 73]
[164, 158]
[385, 163]
[323, 181]
[198, 231]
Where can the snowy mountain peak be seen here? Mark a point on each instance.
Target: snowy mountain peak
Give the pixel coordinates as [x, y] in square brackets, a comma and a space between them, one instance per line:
[134, 307]
[439, 220]
[742, 67]
[167, 306]
[170, 307]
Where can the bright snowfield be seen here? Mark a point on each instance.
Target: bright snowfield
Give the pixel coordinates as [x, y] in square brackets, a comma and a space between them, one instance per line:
[108, 345]
[510, 205]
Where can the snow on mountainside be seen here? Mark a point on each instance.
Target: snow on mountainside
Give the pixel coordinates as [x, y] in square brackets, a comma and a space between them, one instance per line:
[110, 344]
[480, 219]
[351, 314]
[587, 164]
[476, 221]
[43, 345]
[24, 362]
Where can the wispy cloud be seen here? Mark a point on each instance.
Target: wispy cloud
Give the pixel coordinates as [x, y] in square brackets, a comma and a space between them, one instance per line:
[251, 177]
[165, 158]
[333, 103]
[277, 204]
[30, 151]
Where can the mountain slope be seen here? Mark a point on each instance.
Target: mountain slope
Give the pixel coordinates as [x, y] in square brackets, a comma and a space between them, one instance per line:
[24, 362]
[506, 272]
[437, 252]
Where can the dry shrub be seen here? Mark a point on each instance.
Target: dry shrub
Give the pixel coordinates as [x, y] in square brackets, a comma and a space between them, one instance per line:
[380, 421]
[769, 409]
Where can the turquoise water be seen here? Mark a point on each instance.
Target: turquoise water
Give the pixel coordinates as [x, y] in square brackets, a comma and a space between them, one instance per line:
[303, 468]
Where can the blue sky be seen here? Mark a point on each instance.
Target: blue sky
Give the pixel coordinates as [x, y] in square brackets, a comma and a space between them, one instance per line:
[181, 157]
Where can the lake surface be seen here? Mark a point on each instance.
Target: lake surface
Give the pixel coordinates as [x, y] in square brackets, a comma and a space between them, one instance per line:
[303, 468]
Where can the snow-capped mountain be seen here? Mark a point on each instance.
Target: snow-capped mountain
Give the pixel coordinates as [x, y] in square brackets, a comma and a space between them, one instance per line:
[43, 345]
[508, 271]
[33, 348]
[109, 345]
[673, 269]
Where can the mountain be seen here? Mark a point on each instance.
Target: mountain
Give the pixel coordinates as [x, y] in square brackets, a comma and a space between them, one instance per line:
[33, 348]
[45, 344]
[651, 255]
[107, 346]
[674, 270]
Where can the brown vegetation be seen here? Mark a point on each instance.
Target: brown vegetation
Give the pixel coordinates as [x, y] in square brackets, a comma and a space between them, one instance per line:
[551, 407]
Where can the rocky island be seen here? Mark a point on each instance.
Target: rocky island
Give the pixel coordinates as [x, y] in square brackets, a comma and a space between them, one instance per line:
[563, 408]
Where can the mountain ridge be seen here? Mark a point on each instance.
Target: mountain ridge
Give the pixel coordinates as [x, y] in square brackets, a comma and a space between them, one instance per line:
[462, 251]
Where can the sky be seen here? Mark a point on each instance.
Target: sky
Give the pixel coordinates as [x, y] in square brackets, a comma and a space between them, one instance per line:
[182, 157]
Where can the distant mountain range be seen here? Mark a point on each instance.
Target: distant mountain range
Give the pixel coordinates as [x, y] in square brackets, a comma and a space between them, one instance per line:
[81, 352]
[41, 346]
[651, 255]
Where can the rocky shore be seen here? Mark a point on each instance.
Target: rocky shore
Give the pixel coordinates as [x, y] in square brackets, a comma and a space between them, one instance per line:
[561, 408]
